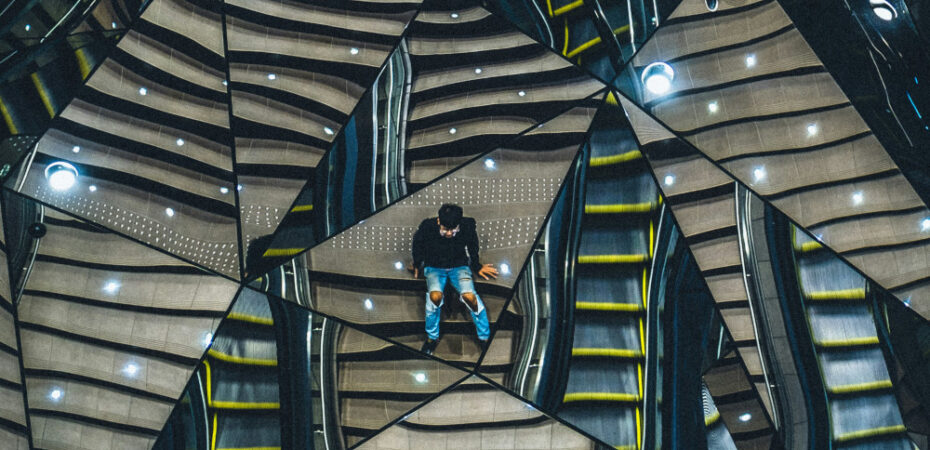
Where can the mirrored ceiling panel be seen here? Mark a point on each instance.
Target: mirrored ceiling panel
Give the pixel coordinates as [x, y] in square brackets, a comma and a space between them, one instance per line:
[110, 329]
[877, 224]
[144, 148]
[13, 425]
[361, 274]
[475, 414]
[280, 376]
[297, 72]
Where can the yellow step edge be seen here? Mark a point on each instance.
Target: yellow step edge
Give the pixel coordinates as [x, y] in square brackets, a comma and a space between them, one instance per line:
[631, 155]
[600, 397]
[302, 208]
[712, 419]
[861, 387]
[611, 100]
[258, 320]
[564, 9]
[83, 64]
[583, 47]
[241, 359]
[603, 306]
[854, 342]
[245, 405]
[8, 118]
[626, 447]
[276, 252]
[620, 208]
[43, 93]
[612, 259]
[249, 448]
[872, 432]
[842, 294]
[808, 246]
[607, 352]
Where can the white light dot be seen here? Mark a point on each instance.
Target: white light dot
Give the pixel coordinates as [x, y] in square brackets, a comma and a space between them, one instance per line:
[143, 90]
[522, 93]
[452, 131]
[207, 338]
[489, 163]
[225, 83]
[883, 11]
[112, 24]
[505, 268]
[353, 51]
[180, 142]
[61, 176]
[28, 27]
[272, 76]
[328, 130]
[239, 187]
[224, 190]
[76, 149]
[812, 129]
[169, 212]
[712, 107]
[669, 180]
[477, 70]
[454, 15]
[745, 417]
[111, 287]
[398, 265]
[925, 224]
[420, 377]
[92, 188]
[56, 394]
[858, 197]
[369, 304]
[759, 173]
[750, 60]
[131, 369]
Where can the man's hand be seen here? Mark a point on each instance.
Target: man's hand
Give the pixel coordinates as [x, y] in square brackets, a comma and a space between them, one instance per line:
[415, 270]
[487, 270]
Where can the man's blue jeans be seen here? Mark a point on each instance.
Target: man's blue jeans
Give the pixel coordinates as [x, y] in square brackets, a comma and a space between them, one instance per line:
[461, 280]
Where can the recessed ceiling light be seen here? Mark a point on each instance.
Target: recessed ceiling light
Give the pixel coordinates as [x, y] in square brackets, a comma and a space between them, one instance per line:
[711, 5]
[169, 212]
[28, 27]
[92, 188]
[750, 60]
[522, 93]
[76, 149]
[454, 15]
[505, 269]
[858, 197]
[658, 77]
[883, 9]
[489, 163]
[811, 129]
[224, 190]
[369, 304]
[207, 339]
[225, 83]
[111, 287]
[420, 377]
[113, 25]
[477, 70]
[398, 265]
[56, 394]
[925, 224]
[669, 180]
[452, 131]
[272, 76]
[353, 50]
[180, 142]
[712, 107]
[328, 130]
[143, 90]
[759, 173]
[239, 187]
[131, 369]
[61, 176]
[745, 417]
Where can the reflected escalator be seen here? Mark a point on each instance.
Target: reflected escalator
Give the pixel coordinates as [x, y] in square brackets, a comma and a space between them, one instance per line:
[605, 382]
[862, 406]
[242, 379]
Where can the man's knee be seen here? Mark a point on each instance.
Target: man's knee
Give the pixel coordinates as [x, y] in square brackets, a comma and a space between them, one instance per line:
[435, 297]
[470, 298]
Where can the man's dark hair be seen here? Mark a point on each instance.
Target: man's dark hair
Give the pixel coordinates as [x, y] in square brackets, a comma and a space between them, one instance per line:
[450, 216]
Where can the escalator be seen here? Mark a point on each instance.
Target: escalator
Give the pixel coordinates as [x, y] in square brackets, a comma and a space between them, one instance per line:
[861, 404]
[605, 382]
[241, 376]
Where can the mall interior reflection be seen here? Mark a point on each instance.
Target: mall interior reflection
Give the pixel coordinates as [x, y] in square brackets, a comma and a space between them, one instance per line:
[709, 221]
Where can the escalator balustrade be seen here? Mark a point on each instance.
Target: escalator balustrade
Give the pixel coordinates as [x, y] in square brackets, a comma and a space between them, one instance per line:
[862, 406]
[605, 383]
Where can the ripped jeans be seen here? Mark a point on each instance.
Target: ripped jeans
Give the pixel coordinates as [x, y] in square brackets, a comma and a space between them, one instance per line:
[461, 279]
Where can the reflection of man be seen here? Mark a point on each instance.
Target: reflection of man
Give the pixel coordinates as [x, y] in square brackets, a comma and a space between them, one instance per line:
[446, 247]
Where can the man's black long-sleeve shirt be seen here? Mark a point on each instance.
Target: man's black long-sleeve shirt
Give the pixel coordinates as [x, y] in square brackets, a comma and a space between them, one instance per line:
[433, 250]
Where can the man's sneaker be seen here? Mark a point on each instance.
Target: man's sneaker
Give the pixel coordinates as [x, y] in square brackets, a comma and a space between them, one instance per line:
[429, 346]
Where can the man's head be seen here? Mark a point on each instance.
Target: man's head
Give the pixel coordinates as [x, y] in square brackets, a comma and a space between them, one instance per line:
[450, 216]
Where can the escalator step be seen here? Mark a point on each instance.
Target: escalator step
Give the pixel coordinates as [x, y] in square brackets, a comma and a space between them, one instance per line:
[612, 259]
[861, 387]
[843, 294]
[622, 353]
[599, 161]
[622, 208]
[559, 9]
[234, 359]
[601, 397]
[849, 343]
[258, 320]
[807, 247]
[604, 306]
[871, 433]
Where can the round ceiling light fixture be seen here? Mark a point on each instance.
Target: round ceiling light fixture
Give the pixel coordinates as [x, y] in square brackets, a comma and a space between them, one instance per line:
[884, 10]
[711, 5]
[61, 176]
[657, 77]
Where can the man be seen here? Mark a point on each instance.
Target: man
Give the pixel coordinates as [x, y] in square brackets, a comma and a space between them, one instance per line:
[446, 248]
